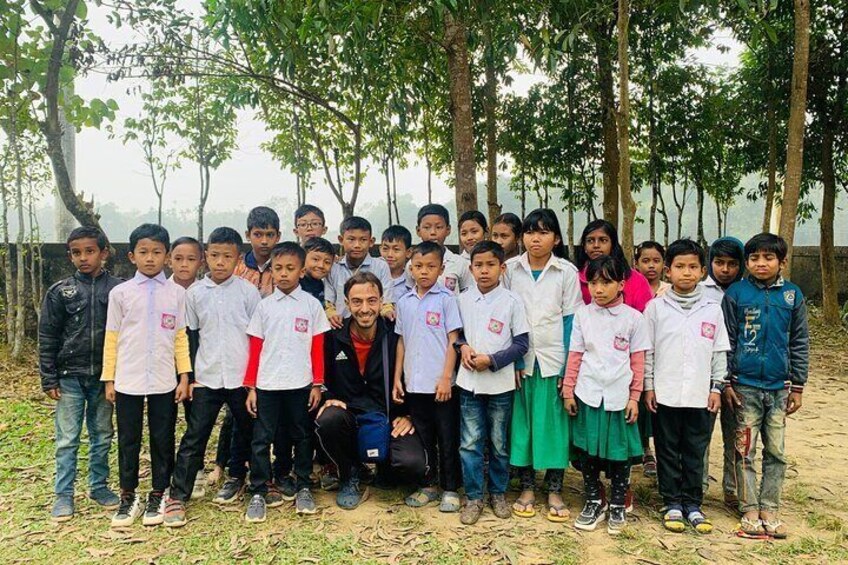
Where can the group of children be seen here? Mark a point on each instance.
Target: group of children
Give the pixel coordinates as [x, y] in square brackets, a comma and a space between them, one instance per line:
[510, 359]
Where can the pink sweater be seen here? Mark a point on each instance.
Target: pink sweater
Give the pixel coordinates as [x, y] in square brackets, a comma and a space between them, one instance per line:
[637, 290]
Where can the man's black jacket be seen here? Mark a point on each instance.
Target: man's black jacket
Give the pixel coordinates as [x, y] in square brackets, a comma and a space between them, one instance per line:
[72, 327]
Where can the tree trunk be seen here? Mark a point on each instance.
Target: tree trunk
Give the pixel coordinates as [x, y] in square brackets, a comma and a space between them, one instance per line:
[570, 215]
[628, 205]
[7, 260]
[523, 195]
[795, 141]
[700, 192]
[459, 79]
[428, 163]
[611, 164]
[20, 281]
[490, 101]
[34, 257]
[771, 187]
[719, 219]
[388, 188]
[664, 215]
[394, 186]
[830, 299]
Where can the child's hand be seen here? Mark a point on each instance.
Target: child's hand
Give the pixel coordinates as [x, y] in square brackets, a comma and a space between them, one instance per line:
[191, 391]
[570, 406]
[53, 393]
[331, 402]
[390, 315]
[632, 411]
[731, 399]
[110, 391]
[467, 354]
[443, 390]
[650, 399]
[793, 403]
[397, 392]
[314, 397]
[519, 376]
[482, 362]
[713, 403]
[182, 389]
[250, 403]
[336, 321]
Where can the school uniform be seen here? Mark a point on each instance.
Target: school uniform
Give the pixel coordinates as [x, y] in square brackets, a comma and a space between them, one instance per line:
[688, 363]
[424, 323]
[342, 271]
[400, 286]
[286, 359]
[495, 324]
[145, 342]
[457, 275]
[220, 314]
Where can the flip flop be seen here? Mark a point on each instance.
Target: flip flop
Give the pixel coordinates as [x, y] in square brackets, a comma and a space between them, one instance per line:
[673, 520]
[699, 522]
[450, 502]
[554, 513]
[529, 508]
[774, 528]
[751, 529]
[421, 498]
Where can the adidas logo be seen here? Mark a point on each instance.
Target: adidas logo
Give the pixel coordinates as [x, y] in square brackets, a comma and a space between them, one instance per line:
[341, 356]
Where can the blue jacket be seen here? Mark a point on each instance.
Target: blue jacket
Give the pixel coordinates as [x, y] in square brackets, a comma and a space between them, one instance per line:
[769, 336]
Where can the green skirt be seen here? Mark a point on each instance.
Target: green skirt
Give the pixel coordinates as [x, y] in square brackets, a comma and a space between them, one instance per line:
[605, 435]
[540, 436]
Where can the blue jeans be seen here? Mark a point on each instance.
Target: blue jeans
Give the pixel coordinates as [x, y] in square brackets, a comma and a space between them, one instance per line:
[484, 418]
[81, 399]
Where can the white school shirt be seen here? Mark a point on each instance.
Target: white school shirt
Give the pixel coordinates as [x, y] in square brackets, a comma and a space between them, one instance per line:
[221, 313]
[684, 342]
[341, 272]
[457, 275]
[287, 323]
[547, 300]
[711, 289]
[607, 337]
[489, 323]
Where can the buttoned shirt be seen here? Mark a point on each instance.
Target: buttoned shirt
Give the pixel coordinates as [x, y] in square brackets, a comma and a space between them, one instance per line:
[489, 322]
[221, 313]
[342, 271]
[286, 323]
[424, 322]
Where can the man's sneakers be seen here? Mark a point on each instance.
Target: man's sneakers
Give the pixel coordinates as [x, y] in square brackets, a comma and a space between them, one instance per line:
[175, 513]
[63, 508]
[154, 512]
[105, 498]
[129, 509]
[304, 503]
[593, 513]
[256, 509]
[230, 492]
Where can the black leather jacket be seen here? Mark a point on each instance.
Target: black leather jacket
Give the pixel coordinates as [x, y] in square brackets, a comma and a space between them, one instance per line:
[72, 327]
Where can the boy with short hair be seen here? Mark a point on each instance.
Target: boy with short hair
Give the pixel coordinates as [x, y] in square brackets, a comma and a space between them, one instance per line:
[495, 335]
[434, 225]
[768, 365]
[218, 310]
[684, 377]
[284, 375]
[309, 222]
[145, 344]
[263, 232]
[319, 261]
[185, 261]
[396, 249]
[428, 323]
[70, 350]
[355, 239]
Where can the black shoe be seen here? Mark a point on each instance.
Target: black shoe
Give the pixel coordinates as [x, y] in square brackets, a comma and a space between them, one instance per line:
[593, 513]
[617, 520]
[154, 512]
[230, 492]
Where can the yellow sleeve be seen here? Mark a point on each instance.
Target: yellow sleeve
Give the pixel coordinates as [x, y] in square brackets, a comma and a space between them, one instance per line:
[110, 356]
[181, 355]
[387, 309]
[330, 309]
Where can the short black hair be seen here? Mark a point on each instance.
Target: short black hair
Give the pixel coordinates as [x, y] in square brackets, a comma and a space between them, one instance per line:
[263, 217]
[488, 246]
[473, 216]
[433, 210]
[305, 209]
[88, 232]
[354, 223]
[428, 247]
[726, 247]
[363, 277]
[545, 219]
[766, 243]
[225, 235]
[187, 240]
[320, 245]
[649, 245]
[289, 248]
[685, 246]
[607, 267]
[398, 233]
[511, 220]
[154, 232]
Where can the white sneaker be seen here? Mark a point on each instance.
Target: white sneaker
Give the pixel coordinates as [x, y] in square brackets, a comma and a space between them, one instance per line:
[154, 513]
[199, 490]
[128, 511]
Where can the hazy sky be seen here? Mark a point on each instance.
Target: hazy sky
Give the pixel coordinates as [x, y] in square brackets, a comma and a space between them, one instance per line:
[113, 172]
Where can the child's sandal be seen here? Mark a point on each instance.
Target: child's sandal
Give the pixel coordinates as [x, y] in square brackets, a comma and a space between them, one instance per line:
[673, 520]
[700, 522]
[524, 509]
[421, 498]
[775, 528]
[751, 529]
[555, 513]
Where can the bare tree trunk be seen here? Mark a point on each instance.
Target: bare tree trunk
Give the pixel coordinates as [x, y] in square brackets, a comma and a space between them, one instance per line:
[523, 195]
[830, 288]
[427, 161]
[628, 204]
[490, 101]
[34, 256]
[719, 217]
[771, 187]
[8, 283]
[570, 216]
[700, 192]
[394, 186]
[20, 281]
[459, 79]
[664, 216]
[795, 140]
[388, 188]
[611, 164]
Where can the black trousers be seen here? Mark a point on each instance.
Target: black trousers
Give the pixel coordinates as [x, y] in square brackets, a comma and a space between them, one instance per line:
[161, 419]
[681, 436]
[617, 471]
[337, 433]
[207, 404]
[231, 453]
[438, 425]
[288, 409]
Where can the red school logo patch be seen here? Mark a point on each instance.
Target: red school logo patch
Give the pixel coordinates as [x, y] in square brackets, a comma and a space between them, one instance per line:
[450, 283]
[496, 326]
[301, 325]
[433, 318]
[708, 330]
[169, 321]
[621, 343]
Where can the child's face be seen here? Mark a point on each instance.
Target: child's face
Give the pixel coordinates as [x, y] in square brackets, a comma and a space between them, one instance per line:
[185, 261]
[597, 243]
[87, 256]
[470, 234]
[263, 240]
[604, 291]
[433, 228]
[725, 269]
[356, 244]
[318, 264]
[764, 265]
[426, 269]
[308, 226]
[396, 254]
[503, 234]
[650, 264]
[149, 257]
[685, 272]
[540, 242]
[222, 259]
[287, 271]
[487, 270]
